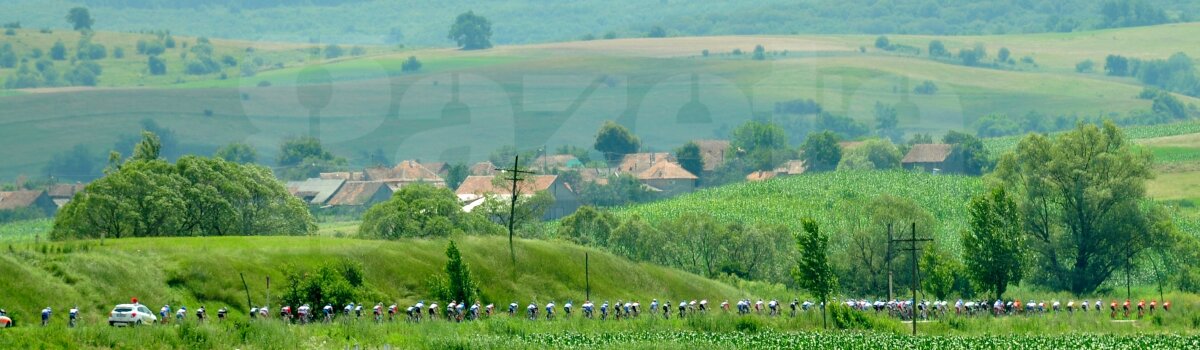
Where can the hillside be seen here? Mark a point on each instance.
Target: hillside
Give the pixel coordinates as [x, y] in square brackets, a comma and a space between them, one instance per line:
[205, 271]
[558, 94]
[530, 21]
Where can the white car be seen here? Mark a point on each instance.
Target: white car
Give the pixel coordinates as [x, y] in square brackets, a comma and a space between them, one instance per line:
[131, 315]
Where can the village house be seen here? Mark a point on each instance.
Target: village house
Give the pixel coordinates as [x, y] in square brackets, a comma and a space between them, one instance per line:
[484, 168]
[28, 200]
[344, 175]
[361, 194]
[788, 168]
[315, 191]
[475, 190]
[636, 163]
[935, 158]
[668, 178]
[405, 173]
[63, 193]
[712, 152]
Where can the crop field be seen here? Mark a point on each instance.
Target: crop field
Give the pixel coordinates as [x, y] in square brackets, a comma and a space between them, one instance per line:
[529, 96]
[786, 201]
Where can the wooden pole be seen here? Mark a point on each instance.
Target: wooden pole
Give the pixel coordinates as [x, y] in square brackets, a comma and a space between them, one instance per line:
[249, 304]
[587, 277]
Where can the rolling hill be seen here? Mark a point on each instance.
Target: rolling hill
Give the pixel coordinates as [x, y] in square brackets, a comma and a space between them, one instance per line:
[555, 94]
[205, 271]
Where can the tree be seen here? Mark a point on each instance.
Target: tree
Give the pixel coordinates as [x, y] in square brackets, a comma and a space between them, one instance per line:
[80, 19]
[759, 53]
[764, 145]
[410, 65]
[1082, 195]
[237, 152]
[821, 152]
[455, 174]
[620, 190]
[58, 52]
[1085, 66]
[304, 157]
[996, 125]
[937, 49]
[887, 122]
[655, 32]
[149, 148]
[588, 226]
[940, 269]
[882, 42]
[993, 246]
[690, 158]
[459, 284]
[968, 151]
[614, 141]
[422, 211]
[1117, 66]
[874, 154]
[333, 283]
[1003, 54]
[812, 271]
[333, 51]
[864, 224]
[471, 32]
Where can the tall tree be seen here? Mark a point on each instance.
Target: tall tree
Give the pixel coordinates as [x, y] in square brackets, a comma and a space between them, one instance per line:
[1083, 199]
[237, 152]
[614, 141]
[149, 148]
[80, 19]
[968, 151]
[459, 284]
[821, 151]
[764, 145]
[690, 158]
[471, 32]
[993, 247]
[812, 271]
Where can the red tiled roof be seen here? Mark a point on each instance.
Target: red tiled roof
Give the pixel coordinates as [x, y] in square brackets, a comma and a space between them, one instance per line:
[356, 192]
[664, 169]
[928, 153]
[483, 185]
[19, 199]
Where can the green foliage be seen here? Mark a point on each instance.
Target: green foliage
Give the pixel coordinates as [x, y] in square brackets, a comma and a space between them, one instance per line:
[821, 152]
[588, 226]
[972, 56]
[615, 141]
[882, 42]
[333, 283]
[845, 127]
[1130, 13]
[333, 51]
[621, 189]
[967, 152]
[1176, 73]
[237, 152]
[410, 65]
[1003, 55]
[926, 88]
[457, 285]
[993, 247]
[1081, 197]
[937, 49]
[471, 32]
[657, 32]
[77, 164]
[455, 174]
[996, 125]
[1085, 66]
[874, 154]
[148, 149]
[423, 211]
[813, 271]
[80, 19]
[939, 270]
[861, 248]
[304, 157]
[194, 197]
[759, 53]
[58, 52]
[763, 145]
[690, 158]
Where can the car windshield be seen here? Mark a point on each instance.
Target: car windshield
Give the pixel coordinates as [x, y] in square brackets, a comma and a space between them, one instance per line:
[123, 309]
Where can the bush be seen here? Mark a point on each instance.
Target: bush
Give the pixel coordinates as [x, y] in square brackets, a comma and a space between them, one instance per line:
[156, 65]
[118, 52]
[410, 65]
[1085, 66]
[926, 88]
[843, 317]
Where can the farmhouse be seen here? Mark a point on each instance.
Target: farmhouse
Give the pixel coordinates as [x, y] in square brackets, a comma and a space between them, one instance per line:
[63, 193]
[407, 172]
[668, 177]
[636, 163]
[789, 168]
[484, 168]
[315, 191]
[360, 194]
[712, 152]
[28, 200]
[475, 190]
[932, 158]
[561, 162]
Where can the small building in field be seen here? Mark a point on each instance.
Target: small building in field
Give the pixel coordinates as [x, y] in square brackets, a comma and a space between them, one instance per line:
[474, 190]
[28, 200]
[931, 157]
[403, 174]
[360, 194]
[669, 177]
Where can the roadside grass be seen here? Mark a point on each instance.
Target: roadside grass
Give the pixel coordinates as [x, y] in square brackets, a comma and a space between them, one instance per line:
[196, 271]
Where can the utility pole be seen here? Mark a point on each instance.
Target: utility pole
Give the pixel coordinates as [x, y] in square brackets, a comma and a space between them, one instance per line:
[515, 176]
[915, 284]
[890, 257]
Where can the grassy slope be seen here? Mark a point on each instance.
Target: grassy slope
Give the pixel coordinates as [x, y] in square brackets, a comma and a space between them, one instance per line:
[195, 271]
[531, 96]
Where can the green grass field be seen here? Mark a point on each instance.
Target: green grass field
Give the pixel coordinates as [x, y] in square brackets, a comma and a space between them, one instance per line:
[547, 94]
